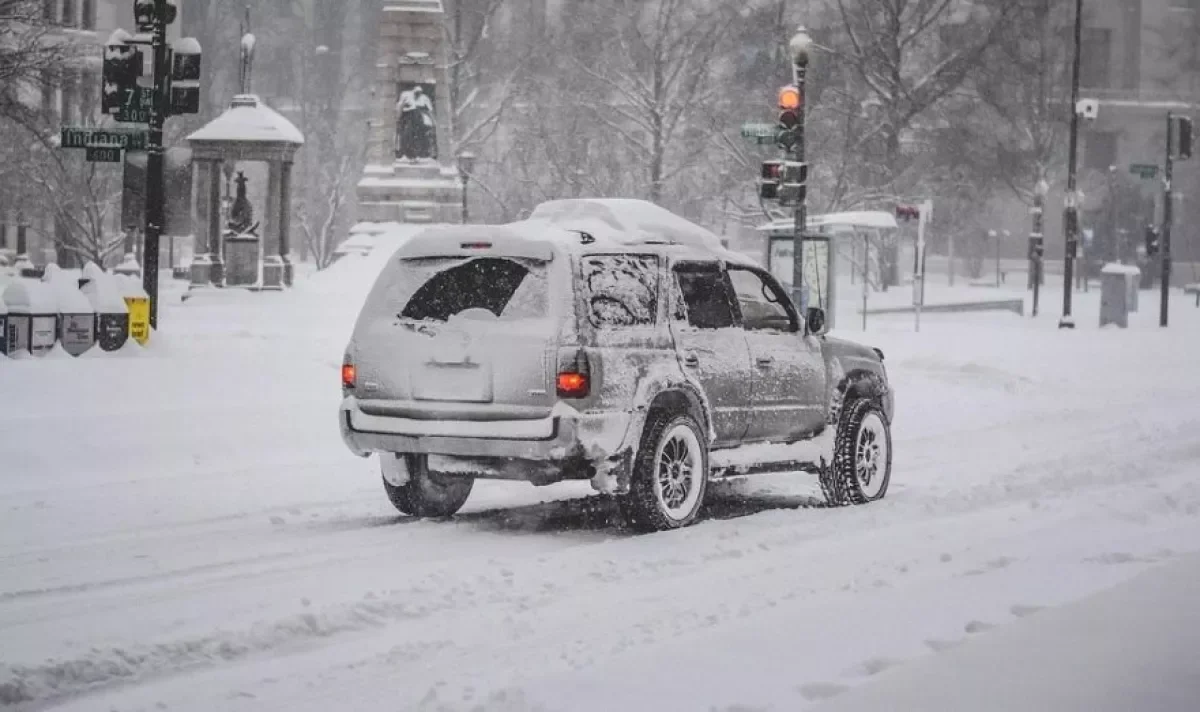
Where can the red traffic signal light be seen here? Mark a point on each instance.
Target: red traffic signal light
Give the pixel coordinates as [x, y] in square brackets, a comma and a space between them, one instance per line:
[908, 212]
[790, 98]
[772, 170]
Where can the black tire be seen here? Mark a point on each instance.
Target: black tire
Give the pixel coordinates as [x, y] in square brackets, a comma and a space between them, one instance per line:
[429, 494]
[643, 506]
[840, 479]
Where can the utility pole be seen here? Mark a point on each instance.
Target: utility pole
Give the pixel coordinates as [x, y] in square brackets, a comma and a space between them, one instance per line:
[1071, 214]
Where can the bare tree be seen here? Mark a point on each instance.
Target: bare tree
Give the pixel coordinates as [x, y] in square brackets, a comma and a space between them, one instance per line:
[84, 198]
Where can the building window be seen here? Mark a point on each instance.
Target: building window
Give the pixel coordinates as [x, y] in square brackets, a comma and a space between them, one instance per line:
[1100, 150]
[88, 20]
[70, 16]
[50, 11]
[1096, 59]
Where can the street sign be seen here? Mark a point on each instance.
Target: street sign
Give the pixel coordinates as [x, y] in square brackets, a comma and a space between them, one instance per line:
[130, 139]
[1144, 171]
[135, 105]
[759, 131]
[104, 154]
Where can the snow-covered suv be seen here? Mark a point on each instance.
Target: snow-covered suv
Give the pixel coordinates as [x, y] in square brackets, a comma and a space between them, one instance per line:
[608, 340]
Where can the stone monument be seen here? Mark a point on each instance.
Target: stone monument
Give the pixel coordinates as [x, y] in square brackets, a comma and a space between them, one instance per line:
[410, 176]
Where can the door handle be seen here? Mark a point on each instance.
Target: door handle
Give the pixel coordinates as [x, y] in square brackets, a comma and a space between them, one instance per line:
[765, 361]
[691, 360]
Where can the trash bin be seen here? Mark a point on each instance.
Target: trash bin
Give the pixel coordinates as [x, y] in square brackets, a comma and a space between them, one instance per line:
[112, 314]
[76, 316]
[32, 315]
[138, 303]
[1118, 292]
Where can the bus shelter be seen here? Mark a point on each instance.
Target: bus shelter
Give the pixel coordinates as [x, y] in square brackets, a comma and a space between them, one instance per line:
[825, 238]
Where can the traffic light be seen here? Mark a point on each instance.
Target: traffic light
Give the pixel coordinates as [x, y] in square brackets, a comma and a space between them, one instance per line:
[185, 77]
[791, 102]
[1037, 248]
[144, 13]
[1183, 132]
[908, 212]
[1152, 235]
[122, 67]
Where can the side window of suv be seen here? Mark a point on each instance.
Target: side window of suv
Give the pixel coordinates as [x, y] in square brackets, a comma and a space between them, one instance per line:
[705, 293]
[761, 301]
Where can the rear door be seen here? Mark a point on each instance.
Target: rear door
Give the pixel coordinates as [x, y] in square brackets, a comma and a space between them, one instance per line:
[711, 346]
[468, 336]
[789, 371]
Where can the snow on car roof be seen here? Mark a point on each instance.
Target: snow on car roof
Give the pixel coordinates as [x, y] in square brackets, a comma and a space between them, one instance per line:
[609, 224]
[625, 221]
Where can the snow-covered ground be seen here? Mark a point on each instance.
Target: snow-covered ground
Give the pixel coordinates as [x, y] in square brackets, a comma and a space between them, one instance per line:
[181, 528]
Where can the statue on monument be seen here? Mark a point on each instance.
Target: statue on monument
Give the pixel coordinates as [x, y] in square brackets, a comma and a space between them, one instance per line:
[241, 214]
[416, 127]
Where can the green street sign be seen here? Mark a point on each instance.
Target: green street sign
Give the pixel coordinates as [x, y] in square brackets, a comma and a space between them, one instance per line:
[129, 139]
[104, 154]
[135, 105]
[760, 131]
[1144, 171]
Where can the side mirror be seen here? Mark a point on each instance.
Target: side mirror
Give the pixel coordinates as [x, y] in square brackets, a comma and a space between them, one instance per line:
[816, 320]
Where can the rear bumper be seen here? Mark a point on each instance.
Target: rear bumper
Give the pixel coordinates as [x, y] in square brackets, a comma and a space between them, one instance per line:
[565, 440]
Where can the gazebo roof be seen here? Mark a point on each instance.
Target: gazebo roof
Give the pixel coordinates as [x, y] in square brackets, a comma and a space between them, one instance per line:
[249, 120]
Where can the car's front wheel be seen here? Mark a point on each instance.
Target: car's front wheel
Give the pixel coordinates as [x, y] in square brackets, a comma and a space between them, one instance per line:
[862, 456]
[670, 474]
[426, 493]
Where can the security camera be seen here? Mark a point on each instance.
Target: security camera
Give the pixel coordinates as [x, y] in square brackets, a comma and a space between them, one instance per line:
[1088, 109]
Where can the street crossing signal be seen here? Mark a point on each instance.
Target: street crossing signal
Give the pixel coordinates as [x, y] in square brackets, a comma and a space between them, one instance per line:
[122, 67]
[908, 212]
[1037, 248]
[185, 77]
[1183, 134]
[1152, 235]
[785, 181]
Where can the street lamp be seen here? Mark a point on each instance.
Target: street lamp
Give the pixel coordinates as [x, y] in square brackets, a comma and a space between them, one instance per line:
[466, 164]
[800, 47]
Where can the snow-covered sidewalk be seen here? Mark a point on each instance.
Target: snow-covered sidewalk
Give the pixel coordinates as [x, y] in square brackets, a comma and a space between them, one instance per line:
[183, 529]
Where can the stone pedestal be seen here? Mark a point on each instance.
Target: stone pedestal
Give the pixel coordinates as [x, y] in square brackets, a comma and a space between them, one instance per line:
[412, 51]
[241, 260]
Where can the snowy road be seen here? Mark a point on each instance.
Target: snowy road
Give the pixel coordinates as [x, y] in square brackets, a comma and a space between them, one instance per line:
[184, 530]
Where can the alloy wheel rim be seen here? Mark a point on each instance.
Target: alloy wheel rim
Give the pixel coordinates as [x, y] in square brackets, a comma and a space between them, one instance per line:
[872, 455]
[678, 476]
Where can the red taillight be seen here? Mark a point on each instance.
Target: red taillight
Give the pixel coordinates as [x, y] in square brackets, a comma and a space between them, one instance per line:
[573, 385]
[476, 245]
[349, 374]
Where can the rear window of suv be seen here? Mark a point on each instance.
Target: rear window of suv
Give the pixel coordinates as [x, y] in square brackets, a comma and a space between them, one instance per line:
[620, 291]
[509, 289]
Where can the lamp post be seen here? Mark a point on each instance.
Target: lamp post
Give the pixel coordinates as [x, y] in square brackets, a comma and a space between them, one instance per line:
[1071, 213]
[466, 164]
[800, 46]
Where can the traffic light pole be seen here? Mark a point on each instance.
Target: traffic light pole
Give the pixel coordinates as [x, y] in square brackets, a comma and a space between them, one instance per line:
[155, 207]
[1168, 218]
[800, 73]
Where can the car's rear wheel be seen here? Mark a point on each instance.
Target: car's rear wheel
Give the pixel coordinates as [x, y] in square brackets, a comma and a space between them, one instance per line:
[670, 474]
[862, 459]
[428, 494]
